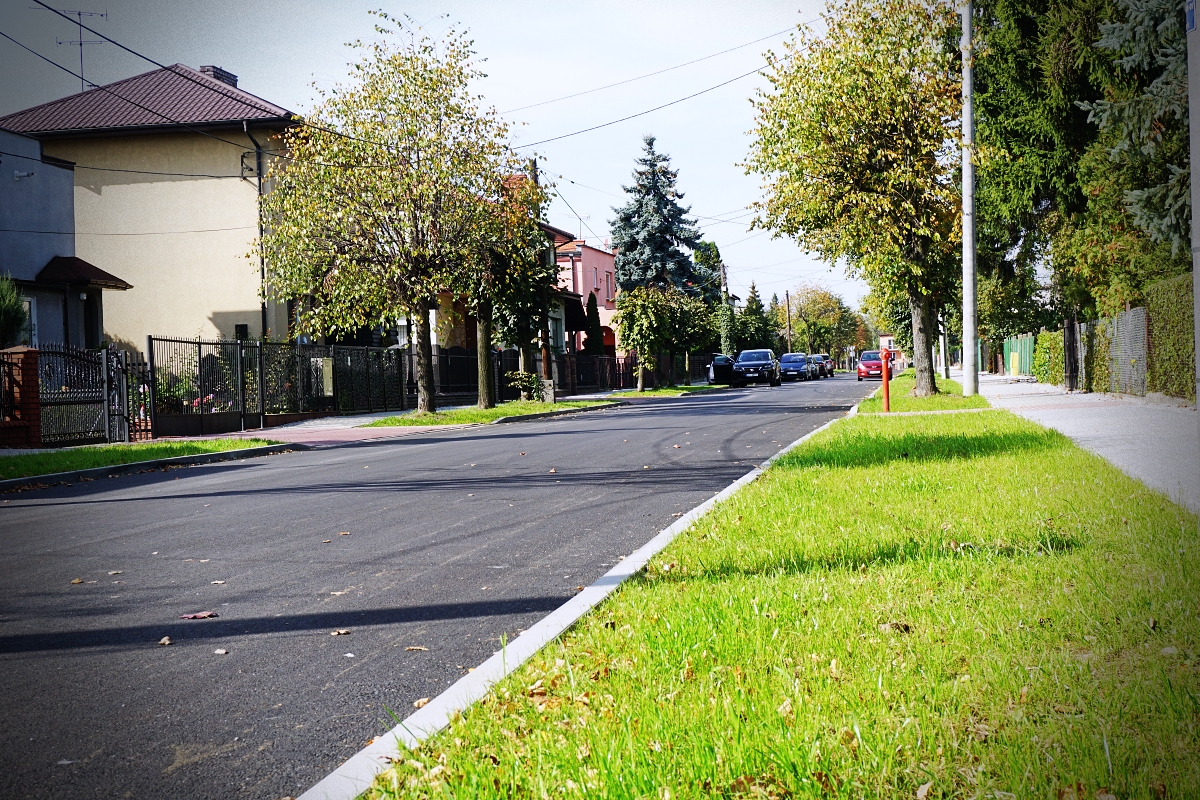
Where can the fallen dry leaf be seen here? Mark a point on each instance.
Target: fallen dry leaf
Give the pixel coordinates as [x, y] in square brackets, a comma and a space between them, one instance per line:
[418, 647]
[1104, 794]
[522, 454]
[343, 533]
[221, 652]
[77, 580]
[1024, 696]
[200, 615]
[339, 594]
[115, 572]
[164, 641]
[896, 627]
[923, 790]
[675, 446]
[349, 655]
[341, 632]
[553, 470]
[424, 701]
[217, 583]
[326, 541]
[579, 588]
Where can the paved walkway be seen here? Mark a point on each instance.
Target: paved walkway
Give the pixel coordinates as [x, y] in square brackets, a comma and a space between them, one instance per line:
[1157, 442]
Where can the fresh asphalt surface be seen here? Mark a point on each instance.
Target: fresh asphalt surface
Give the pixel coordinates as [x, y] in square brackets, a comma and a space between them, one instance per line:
[456, 540]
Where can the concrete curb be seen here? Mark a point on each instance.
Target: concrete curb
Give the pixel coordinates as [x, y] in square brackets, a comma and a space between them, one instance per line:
[929, 413]
[545, 414]
[45, 481]
[713, 390]
[356, 774]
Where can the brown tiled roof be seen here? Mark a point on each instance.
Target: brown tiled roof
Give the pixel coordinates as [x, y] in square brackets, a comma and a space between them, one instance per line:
[163, 97]
[69, 269]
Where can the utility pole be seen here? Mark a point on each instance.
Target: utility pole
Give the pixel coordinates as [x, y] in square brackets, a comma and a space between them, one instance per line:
[787, 298]
[970, 333]
[727, 314]
[1193, 57]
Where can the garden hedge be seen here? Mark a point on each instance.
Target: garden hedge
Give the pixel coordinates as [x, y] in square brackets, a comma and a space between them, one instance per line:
[1172, 358]
[1049, 362]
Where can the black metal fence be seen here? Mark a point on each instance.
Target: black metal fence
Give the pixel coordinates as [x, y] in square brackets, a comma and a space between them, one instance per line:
[204, 387]
[71, 384]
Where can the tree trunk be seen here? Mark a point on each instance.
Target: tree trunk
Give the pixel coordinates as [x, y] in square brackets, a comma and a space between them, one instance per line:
[919, 309]
[425, 390]
[483, 352]
[641, 385]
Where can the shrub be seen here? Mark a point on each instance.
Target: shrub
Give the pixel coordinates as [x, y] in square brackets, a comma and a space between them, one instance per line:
[1097, 355]
[1049, 364]
[1171, 366]
[12, 313]
[529, 384]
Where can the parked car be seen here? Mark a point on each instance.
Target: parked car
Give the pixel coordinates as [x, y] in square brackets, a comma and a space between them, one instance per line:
[756, 366]
[827, 364]
[796, 367]
[720, 370]
[870, 365]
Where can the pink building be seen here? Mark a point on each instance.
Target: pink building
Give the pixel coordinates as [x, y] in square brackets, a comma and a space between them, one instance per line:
[589, 270]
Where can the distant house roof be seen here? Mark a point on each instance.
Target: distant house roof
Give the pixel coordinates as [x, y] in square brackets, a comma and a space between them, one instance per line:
[162, 99]
[559, 236]
[75, 271]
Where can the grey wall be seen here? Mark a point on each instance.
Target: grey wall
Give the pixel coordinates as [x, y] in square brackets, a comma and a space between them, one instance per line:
[37, 213]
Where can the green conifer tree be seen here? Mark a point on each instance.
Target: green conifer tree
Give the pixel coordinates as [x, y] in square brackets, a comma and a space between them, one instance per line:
[12, 313]
[650, 231]
[593, 343]
[754, 329]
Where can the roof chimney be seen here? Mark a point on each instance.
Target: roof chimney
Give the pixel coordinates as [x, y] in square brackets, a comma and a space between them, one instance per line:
[219, 74]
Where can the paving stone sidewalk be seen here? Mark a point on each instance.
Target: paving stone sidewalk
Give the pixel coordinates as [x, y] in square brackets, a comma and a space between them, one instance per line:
[1156, 441]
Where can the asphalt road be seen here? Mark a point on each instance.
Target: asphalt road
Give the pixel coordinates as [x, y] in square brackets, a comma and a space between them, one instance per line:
[455, 539]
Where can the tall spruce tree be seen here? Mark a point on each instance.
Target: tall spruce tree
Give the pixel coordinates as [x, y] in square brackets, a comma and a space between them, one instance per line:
[754, 328]
[593, 343]
[650, 231]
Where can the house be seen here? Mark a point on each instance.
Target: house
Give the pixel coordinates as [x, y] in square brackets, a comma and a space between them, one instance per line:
[453, 326]
[168, 168]
[63, 294]
[585, 270]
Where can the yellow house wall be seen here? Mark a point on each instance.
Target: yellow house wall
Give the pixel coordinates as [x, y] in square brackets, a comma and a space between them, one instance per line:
[181, 241]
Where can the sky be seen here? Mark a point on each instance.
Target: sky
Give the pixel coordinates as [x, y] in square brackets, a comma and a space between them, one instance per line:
[535, 52]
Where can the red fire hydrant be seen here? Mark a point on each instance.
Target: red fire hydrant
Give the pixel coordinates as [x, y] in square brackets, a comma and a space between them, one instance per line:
[884, 355]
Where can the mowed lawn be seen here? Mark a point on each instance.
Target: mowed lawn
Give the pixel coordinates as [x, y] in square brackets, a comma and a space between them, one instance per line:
[76, 458]
[949, 397]
[460, 416]
[945, 606]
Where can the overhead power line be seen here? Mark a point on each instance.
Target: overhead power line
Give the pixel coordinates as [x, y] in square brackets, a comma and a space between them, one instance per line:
[194, 129]
[644, 113]
[133, 171]
[651, 74]
[214, 89]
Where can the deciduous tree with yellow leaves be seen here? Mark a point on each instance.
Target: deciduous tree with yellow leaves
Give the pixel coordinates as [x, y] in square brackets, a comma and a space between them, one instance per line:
[856, 142]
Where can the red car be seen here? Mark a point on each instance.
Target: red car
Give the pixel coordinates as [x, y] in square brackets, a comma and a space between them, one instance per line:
[870, 365]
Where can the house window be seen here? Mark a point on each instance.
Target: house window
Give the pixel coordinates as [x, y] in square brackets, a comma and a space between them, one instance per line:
[595, 278]
[608, 286]
[29, 332]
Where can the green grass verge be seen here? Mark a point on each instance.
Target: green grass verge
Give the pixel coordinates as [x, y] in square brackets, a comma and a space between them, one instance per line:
[949, 397]
[459, 416]
[668, 391]
[24, 466]
[965, 601]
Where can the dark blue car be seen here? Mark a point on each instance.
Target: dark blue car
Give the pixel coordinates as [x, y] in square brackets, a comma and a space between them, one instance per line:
[796, 367]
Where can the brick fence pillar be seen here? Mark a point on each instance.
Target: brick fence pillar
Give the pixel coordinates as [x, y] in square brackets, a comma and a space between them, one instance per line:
[24, 427]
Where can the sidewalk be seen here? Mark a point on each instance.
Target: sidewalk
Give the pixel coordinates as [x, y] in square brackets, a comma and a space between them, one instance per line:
[326, 431]
[1156, 442]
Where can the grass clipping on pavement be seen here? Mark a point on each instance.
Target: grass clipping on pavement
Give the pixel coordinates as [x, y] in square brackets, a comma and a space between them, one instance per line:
[945, 606]
[460, 416]
[77, 458]
[948, 398]
[667, 391]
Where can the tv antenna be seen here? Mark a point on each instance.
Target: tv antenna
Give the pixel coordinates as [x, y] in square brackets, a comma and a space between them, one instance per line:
[80, 42]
